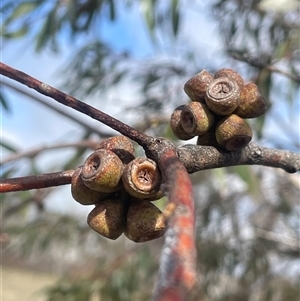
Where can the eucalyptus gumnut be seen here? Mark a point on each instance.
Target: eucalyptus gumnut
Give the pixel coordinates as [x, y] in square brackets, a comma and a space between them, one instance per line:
[195, 87]
[233, 133]
[208, 139]
[222, 95]
[252, 103]
[141, 178]
[102, 171]
[225, 72]
[121, 146]
[81, 193]
[175, 124]
[108, 218]
[196, 118]
[144, 222]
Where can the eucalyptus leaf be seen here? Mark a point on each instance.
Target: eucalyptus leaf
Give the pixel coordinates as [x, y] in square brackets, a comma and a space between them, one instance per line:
[22, 9]
[175, 16]
[8, 145]
[4, 102]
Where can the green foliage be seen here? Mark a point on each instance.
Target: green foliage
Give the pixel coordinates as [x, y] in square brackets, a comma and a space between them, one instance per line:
[50, 18]
[4, 102]
[8, 146]
[132, 280]
[70, 291]
[96, 68]
[239, 209]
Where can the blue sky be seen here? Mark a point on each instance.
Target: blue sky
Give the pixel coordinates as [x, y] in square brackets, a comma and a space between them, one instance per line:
[31, 125]
[21, 123]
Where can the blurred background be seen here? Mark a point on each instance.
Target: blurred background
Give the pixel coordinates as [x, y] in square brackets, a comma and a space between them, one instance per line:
[130, 59]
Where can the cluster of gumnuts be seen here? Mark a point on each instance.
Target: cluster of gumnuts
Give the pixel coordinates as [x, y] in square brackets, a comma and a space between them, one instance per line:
[122, 188]
[219, 104]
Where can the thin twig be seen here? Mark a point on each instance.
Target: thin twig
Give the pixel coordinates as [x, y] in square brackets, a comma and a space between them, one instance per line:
[275, 237]
[257, 63]
[67, 100]
[36, 151]
[37, 198]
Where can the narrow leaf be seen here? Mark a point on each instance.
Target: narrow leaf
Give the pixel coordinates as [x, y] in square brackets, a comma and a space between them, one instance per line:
[4, 102]
[7, 145]
[175, 17]
[15, 34]
[21, 10]
[112, 12]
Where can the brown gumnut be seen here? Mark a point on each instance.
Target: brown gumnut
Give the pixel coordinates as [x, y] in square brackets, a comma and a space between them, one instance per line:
[208, 139]
[196, 118]
[82, 194]
[222, 96]
[157, 196]
[144, 222]
[196, 86]
[225, 72]
[252, 103]
[121, 146]
[175, 124]
[108, 218]
[233, 133]
[102, 171]
[141, 178]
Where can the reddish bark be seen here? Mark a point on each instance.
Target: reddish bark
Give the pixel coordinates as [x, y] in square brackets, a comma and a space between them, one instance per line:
[177, 274]
[36, 181]
[75, 104]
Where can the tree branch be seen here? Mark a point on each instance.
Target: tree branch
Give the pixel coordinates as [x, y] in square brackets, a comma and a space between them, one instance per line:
[196, 158]
[36, 181]
[55, 108]
[255, 62]
[31, 153]
[177, 272]
[193, 157]
[67, 100]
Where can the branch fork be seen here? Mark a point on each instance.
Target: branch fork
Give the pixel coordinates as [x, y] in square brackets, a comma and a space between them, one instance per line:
[177, 273]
